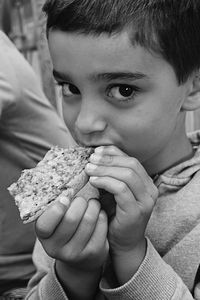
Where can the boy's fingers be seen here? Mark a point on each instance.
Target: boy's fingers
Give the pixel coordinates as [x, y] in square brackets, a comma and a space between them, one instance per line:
[86, 226]
[49, 220]
[127, 178]
[70, 221]
[125, 162]
[123, 195]
[98, 239]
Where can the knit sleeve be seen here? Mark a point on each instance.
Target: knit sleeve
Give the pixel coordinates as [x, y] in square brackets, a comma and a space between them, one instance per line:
[154, 279]
[44, 284]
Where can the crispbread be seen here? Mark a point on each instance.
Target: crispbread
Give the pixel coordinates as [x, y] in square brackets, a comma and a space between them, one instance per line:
[61, 172]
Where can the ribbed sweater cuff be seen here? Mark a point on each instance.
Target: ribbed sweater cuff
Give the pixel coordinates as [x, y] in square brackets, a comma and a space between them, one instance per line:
[153, 280]
[50, 288]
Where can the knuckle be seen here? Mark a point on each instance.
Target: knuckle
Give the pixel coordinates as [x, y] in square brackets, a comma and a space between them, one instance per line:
[122, 188]
[134, 163]
[108, 159]
[129, 174]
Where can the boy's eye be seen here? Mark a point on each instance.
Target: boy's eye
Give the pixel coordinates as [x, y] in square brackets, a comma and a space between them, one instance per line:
[122, 92]
[69, 90]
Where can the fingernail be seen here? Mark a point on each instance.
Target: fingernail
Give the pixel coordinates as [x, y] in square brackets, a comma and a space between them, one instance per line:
[93, 178]
[95, 158]
[99, 149]
[91, 167]
[64, 200]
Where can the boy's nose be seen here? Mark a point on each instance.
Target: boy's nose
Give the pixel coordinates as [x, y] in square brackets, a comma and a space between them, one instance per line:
[90, 119]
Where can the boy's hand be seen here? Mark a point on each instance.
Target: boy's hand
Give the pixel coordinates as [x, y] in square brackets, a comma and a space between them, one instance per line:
[135, 196]
[76, 236]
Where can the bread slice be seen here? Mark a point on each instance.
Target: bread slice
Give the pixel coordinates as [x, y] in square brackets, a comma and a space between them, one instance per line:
[60, 173]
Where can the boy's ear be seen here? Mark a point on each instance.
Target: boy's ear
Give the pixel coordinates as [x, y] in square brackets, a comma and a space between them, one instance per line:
[192, 102]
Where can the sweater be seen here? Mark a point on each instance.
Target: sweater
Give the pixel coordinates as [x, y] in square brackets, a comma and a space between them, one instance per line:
[173, 245]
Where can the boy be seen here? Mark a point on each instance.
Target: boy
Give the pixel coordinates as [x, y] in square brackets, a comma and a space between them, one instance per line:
[129, 73]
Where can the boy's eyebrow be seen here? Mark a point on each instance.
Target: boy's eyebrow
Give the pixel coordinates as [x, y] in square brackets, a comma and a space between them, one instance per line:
[105, 76]
[118, 75]
[61, 76]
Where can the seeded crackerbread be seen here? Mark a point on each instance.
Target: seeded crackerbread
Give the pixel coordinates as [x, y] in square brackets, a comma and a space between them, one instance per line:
[61, 172]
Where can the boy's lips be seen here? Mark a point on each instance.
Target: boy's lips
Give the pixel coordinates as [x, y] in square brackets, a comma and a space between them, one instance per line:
[94, 145]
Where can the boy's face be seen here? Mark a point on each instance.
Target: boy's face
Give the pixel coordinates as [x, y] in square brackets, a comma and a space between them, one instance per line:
[114, 93]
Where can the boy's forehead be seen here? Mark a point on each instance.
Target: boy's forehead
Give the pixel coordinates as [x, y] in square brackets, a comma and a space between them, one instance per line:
[101, 54]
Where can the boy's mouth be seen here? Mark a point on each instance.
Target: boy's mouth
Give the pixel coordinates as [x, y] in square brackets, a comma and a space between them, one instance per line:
[93, 145]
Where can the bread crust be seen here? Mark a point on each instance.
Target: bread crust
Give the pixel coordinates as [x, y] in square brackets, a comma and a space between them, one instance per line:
[60, 173]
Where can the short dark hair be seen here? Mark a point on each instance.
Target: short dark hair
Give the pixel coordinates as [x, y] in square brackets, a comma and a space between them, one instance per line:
[168, 27]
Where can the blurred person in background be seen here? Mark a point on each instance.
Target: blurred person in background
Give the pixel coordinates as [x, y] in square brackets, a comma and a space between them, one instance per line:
[29, 126]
